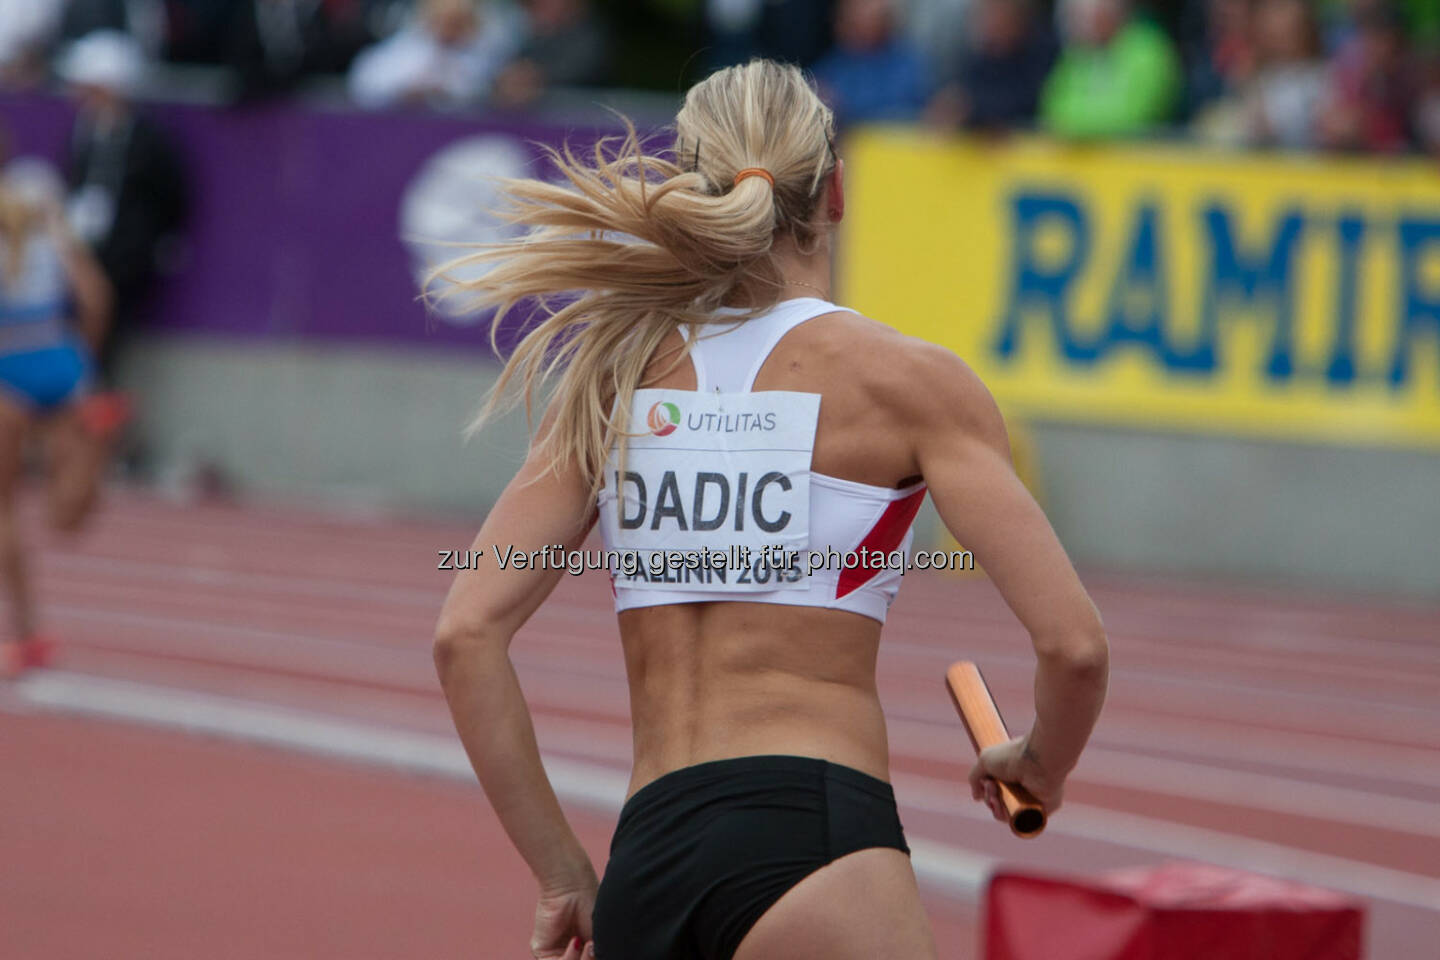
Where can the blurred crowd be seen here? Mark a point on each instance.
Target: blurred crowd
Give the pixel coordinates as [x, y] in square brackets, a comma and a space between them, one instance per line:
[439, 53]
[1355, 75]
[1351, 75]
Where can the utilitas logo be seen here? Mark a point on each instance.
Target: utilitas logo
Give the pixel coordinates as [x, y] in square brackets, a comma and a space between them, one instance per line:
[663, 418]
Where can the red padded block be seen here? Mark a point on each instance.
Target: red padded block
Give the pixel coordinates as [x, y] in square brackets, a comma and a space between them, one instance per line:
[1175, 911]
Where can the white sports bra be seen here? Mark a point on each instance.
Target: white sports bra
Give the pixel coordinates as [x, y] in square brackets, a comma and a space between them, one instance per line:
[719, 501]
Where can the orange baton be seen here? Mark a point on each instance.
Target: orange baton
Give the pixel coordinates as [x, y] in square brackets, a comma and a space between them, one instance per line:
[986, 729]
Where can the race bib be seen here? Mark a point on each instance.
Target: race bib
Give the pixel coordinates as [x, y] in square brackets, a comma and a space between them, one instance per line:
[715, 495]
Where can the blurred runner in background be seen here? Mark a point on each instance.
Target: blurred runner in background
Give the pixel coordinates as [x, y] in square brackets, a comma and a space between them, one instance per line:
[47, 278]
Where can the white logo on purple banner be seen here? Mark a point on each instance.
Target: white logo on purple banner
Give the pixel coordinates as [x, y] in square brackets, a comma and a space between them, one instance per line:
[448, 202]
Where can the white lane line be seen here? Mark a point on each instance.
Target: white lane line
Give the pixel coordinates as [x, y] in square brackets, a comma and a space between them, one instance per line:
[250, 721]
[951, 868]
[946, 868]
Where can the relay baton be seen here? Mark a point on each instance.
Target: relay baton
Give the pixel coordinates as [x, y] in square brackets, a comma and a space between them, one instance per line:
[986, 729]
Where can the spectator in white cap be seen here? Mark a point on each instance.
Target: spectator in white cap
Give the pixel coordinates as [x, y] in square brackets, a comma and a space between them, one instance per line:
[107, 62]
[126, 182]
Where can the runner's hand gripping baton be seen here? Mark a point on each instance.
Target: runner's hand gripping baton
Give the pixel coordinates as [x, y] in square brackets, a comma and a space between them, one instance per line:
[982, 722]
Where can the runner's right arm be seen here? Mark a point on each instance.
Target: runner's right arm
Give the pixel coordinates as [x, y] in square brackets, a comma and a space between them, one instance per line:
[963, 452]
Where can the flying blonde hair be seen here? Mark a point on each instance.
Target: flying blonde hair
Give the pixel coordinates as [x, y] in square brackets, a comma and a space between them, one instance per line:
[638, 245]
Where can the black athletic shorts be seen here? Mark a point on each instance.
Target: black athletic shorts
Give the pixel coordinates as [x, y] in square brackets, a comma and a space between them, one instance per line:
[700, 853]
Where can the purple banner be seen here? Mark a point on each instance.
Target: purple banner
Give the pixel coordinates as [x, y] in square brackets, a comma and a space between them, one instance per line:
[310, 223]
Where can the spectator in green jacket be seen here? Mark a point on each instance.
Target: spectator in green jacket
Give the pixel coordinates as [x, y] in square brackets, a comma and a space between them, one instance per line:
[1118, 76]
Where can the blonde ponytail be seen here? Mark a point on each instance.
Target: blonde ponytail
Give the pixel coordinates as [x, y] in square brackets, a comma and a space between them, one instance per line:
[635, 246]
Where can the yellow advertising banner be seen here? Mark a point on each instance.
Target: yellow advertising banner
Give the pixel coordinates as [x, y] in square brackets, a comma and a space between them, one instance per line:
[1160, 286]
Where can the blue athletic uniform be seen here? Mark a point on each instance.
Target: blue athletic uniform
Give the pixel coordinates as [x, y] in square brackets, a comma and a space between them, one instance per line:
[43, 365]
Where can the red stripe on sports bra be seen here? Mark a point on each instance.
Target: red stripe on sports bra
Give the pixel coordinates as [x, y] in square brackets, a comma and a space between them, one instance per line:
[884, 537]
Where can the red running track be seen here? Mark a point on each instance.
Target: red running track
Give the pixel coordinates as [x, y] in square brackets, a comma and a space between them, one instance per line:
[1275, 731]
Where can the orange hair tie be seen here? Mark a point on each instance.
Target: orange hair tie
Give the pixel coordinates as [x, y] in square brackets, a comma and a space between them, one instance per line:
[754, 172]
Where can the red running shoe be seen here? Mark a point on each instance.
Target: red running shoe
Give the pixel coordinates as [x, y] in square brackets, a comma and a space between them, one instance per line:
[105, 414]
[38, 652]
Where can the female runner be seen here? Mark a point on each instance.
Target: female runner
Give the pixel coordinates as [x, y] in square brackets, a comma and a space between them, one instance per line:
[708, 397]
[45, 372]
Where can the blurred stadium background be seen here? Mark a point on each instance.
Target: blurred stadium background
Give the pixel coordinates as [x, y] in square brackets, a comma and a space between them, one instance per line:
[1193, 247]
